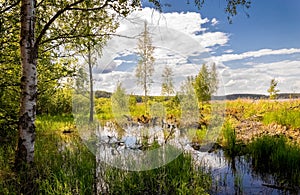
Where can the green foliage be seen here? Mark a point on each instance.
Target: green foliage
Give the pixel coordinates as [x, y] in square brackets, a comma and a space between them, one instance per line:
[277, 156]
[206, 83]
[119, 98]
[167, 87]
[283, 117]
[9, 71]
[272, 90]
[230, 143]
[120, 104]
[178, 177]
[56, 101]
[103, 108]
[63, 163]
[196, 135]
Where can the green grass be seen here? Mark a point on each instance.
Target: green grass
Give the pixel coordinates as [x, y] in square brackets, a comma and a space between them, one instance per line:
[63, 165]
[231, 145]
[277, 156]
[283, 117]
[178, 177]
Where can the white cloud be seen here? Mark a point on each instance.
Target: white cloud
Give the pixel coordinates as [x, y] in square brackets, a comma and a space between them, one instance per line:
[256, 79]
[181, 43]
[214, 22]
[210, 39]
[228, 51]
[254, 54]
[179, 39]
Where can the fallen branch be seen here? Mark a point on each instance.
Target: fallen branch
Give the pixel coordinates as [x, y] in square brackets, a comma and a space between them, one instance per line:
[278, 187]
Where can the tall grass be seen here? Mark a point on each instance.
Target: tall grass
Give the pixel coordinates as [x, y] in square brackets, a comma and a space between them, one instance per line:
[231, 145]
[7, 177]
[178, 177]
[277, 156]
[63, 165]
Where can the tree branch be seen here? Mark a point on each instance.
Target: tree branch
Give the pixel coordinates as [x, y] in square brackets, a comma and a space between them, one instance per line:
[48, 24]
[9, 7]
[39, 3]
[70, 36]
[59, 13]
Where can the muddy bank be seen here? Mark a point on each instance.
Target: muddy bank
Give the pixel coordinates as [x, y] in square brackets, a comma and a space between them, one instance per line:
[247, 130]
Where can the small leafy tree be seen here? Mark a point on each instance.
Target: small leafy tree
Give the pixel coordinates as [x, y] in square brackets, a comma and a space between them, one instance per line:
[213, 79]
[272, 89]
[145, 68]
[206, 83]
[188, 101]
[167, 87]
[119, 101]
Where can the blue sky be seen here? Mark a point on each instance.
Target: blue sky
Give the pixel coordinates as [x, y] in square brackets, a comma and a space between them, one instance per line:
[274, 23]
[248, 53]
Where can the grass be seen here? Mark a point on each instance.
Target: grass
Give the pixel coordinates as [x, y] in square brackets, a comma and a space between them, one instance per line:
[277, 156]
[63, 161]
[283, 117]
[245, 109]
[63, 165]
[178, 177]
[231, 145]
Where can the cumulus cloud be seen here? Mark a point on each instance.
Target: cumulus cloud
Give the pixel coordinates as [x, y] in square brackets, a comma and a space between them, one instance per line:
[179, 39]
[256, 79]
[254, 54]
[183, 44]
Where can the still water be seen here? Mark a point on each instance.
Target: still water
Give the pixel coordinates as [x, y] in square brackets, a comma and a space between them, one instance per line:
[230, 175]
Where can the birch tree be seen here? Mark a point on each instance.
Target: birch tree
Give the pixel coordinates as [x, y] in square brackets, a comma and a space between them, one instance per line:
[55, 25]
[145, 66]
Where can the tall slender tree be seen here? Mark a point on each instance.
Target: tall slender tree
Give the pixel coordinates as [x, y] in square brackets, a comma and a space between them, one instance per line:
[145, 66]
[167, 87]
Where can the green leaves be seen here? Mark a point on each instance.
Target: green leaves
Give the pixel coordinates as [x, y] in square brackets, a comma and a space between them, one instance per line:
[272, 90]
[206, 83]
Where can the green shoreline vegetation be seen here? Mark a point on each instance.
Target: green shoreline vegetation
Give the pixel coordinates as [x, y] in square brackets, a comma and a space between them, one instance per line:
[64, 165]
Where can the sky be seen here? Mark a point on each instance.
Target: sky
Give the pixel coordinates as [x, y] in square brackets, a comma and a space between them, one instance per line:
[248, 53]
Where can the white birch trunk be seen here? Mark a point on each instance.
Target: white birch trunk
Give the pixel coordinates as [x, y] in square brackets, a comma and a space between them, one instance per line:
[25, 150]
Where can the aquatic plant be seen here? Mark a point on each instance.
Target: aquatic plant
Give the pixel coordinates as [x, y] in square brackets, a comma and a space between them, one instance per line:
[275, 155]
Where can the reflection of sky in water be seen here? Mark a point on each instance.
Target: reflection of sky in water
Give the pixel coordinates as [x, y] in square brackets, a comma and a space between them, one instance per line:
[226, 172]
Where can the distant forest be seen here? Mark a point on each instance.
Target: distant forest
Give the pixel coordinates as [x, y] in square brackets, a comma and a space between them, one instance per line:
[105, 94]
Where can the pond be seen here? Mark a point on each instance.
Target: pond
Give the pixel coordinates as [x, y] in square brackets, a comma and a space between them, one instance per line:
[132, 149]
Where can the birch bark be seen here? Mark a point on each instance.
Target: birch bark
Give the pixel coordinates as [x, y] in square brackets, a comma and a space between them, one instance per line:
[27, 115]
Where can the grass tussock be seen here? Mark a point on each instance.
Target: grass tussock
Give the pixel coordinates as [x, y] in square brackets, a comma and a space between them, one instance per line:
[63, 165]
[277, 156]
[178, 177]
